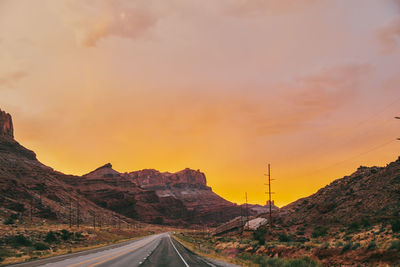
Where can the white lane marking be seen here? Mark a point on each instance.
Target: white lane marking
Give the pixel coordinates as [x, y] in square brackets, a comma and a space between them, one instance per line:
[187, 265]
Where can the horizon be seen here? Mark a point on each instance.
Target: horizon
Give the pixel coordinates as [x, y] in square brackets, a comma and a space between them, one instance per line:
[310, 87]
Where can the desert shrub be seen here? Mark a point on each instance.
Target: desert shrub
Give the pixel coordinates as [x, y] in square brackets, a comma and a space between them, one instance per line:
[66, 235]
[395, 245]
[51, 237]
[319, 231]
[4, 253]
[259, 235]
[356, 246]
[283, 237]
[9, 221]
[395, 225]
[365, 222]
[18, 207]
[347, 238]
[353, 227]
[265, 261]
[40, 246]
[347, 247]
[371, 245]
[18, 241]
[78, 236]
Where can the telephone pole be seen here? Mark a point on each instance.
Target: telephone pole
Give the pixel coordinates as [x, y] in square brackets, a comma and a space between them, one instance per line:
[247, 210]
[70, 212]
[78, 213]
[269, 194]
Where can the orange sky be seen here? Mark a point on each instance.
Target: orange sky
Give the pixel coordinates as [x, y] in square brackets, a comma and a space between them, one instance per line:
[222, 86]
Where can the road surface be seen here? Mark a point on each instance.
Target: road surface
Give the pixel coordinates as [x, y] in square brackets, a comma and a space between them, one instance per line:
[154, 250]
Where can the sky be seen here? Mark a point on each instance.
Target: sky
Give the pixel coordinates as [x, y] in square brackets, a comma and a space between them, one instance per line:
[226, 86]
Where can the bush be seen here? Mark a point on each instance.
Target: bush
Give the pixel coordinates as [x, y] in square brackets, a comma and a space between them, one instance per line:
[51, 237]
[354, 227]
[395, 245]
[66, 235]
[319, 231]
[259, 235]
[277, 262]
[395, 226]
[18, 241]
[9, 221]
[365, 222]
[78, 236]
[356, 246]
[347, 246]
[371, 245]
[40, 246]
[4, 253]
[283, 237]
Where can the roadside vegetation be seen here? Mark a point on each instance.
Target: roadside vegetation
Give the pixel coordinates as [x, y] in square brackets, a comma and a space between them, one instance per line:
[19, 242]
[361, 243]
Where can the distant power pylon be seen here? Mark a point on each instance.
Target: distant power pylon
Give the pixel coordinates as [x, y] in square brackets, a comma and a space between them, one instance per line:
[269, 194]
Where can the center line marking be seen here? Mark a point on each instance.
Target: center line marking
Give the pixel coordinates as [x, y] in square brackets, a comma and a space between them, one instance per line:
[187, 265]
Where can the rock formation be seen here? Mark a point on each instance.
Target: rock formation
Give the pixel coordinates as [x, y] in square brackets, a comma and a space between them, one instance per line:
[6, 126]
[181, 198]
[369, 193]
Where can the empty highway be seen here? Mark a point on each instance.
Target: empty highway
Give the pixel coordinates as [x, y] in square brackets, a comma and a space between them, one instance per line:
[154, 250]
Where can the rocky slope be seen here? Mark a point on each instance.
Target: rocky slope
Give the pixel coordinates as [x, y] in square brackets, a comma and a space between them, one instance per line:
[181, 198]
[369, 193]
[27, 186]
[173, 198]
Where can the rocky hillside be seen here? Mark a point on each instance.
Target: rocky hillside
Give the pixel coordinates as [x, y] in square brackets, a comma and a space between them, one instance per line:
[369, 193]
[181, 198]
[27, 186]
[171, 198]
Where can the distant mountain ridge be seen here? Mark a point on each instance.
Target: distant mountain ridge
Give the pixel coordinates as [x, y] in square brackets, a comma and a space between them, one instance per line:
[181, 198]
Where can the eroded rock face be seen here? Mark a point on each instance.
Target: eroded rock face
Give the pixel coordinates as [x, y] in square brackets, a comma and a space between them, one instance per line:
[150, 178]
[370, 193]
[182, 198]
[6, 126]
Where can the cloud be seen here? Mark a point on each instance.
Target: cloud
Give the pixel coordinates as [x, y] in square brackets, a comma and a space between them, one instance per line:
[8, 79]
[93, 21]
[389, 35]
[310, 97]
[260, 7]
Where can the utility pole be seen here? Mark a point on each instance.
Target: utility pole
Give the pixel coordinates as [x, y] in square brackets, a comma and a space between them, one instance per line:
[247, 210]
[94, 220]
[241, 217]
[78, 213]
[269, 194]
[398, 119]
[31, 209]
[70, 212]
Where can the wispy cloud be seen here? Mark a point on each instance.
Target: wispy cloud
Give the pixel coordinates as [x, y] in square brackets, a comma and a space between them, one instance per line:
[260, 7]
[389, 35]
[96, 20]
[9, 79]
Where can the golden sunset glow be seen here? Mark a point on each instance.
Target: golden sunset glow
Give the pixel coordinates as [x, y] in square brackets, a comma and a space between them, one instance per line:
[227, 87]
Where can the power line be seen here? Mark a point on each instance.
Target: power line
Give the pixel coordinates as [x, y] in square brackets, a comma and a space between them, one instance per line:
[353, 157]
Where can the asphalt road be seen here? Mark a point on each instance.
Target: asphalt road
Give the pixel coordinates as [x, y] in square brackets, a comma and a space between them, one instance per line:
[154, 250]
